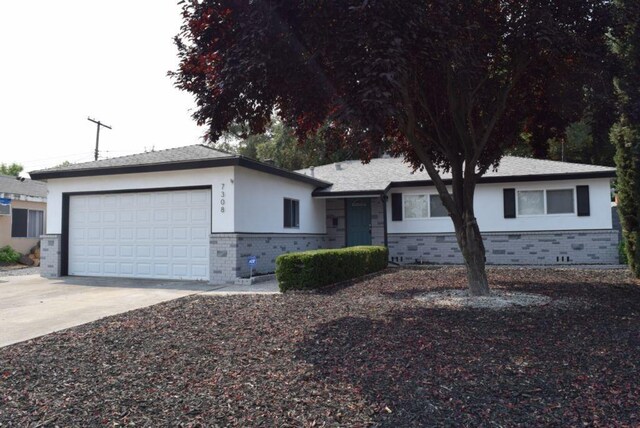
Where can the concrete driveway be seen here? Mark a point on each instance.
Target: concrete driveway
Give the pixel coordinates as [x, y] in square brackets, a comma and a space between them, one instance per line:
[31, 306]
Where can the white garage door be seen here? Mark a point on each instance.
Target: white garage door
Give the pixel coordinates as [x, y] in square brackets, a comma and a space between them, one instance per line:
[141, 235]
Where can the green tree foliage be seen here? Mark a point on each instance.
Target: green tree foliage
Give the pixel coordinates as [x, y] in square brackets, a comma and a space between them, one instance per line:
[626, 132]
[280, 145]
[13, 169]
[449, 85]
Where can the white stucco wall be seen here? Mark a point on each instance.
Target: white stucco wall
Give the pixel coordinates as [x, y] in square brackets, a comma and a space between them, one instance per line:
[260, 208]
[221, 221]
[490, 215]
[243, 200]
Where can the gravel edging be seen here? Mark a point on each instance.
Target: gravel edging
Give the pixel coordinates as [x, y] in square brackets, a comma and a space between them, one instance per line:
[4, 272]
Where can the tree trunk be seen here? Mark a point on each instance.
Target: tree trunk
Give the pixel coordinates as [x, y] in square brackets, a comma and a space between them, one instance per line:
[473, 251]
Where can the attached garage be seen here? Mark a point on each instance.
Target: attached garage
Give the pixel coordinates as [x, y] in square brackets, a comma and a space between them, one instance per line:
[142, 234]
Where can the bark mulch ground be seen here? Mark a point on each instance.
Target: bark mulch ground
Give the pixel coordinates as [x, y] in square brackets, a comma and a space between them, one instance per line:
[368, 354]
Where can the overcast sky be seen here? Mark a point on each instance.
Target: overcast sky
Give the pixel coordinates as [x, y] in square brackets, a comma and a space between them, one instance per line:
[62, 61]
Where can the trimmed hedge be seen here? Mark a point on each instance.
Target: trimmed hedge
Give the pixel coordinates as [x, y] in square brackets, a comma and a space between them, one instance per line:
[314, 269]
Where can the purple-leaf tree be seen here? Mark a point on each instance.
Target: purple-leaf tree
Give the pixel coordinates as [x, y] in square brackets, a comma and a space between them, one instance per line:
[449, 85]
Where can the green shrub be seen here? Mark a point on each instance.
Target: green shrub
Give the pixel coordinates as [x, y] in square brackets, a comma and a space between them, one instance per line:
[9, 255]
[622, 252]
[314, 269]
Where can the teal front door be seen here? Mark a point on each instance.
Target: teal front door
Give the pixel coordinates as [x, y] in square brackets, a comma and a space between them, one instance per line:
[358, 222]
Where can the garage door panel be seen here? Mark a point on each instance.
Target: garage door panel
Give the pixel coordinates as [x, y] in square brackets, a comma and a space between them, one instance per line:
[126, 216]
[181, 198]
[126, 269]
[161, 234]
[180, 214]
[199, 251]
[180, 233]
[109, 217]
[110, 234]
[199, 270]
[94, 216]
[149, 235]
[127, 234]
[143, 233]
[143, 214]
[126, 250]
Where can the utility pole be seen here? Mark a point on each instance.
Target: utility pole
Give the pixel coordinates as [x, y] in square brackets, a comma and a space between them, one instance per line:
[99, 124]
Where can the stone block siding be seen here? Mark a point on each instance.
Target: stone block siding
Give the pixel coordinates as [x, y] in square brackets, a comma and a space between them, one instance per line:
[523, 248]
[377, 222]
[230, 252]
[336, 223]
[50, 256]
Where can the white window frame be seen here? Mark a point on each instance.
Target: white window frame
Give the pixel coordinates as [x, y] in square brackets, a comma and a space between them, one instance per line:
[428, 201]
[9, 213]
[544, 201]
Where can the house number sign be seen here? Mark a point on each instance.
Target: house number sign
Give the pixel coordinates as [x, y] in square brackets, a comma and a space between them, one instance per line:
[222, 196]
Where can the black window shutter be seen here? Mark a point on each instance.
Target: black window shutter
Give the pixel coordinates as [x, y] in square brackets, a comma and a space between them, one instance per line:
[19, 223]
[287, 213]
[396, 207]
[584, 209]
[509, 203]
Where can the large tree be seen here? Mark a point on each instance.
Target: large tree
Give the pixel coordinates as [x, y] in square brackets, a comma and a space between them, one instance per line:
[447, 84]
[626, 132]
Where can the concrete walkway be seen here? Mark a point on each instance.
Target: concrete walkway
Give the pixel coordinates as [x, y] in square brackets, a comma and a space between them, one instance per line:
[32, 306]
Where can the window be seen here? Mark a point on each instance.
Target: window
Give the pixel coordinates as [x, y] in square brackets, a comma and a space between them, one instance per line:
[415, 206]
[423, 206]
[27, 223]
[531, 202]
[540, 202]
[560, 201]
[291, 213]
[437, 207]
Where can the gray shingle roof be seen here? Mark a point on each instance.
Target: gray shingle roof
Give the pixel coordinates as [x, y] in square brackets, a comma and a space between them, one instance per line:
[377, 175]
[178, 154]
[10, 185]
[180, 158]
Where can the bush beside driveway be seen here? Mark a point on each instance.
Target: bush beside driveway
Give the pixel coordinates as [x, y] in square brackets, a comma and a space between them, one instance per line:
[364, 355]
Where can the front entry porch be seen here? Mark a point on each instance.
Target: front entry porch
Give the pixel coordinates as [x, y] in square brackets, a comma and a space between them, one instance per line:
[355, 221]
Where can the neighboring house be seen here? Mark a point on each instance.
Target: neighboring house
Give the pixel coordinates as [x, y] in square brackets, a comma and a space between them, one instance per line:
[196, 213]
[23, 204]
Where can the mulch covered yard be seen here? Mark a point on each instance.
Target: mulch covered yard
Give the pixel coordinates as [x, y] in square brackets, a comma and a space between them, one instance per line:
[364, 355]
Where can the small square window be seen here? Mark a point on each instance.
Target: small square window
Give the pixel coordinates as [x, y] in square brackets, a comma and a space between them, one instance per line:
[531, 202]
[291, 213]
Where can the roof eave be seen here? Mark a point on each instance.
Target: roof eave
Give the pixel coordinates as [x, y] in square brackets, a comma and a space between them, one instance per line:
[483, 180]
[516, 178]
[179, 166]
